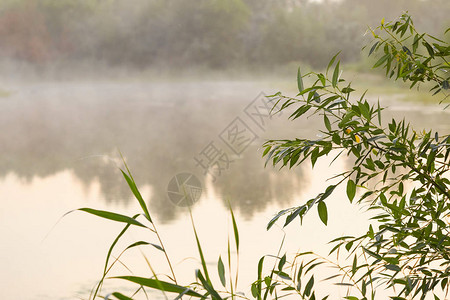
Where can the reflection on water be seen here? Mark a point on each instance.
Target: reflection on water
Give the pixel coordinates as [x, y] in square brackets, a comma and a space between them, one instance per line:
[159, 127]
[60, 151]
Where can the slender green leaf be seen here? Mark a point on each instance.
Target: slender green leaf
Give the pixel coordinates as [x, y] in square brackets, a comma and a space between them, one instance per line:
[323, 214]
[283, 275]
[381, 61]
[137, 194]
[327, 122]
[160, 285]
[112, 216]
[121, 296]
[276, 217]
[351, 190]
[157, 247]
[373, 48]
[281, 263]
[208, 286]
[332, 61]
[335, 75]
[299, 81]
[309, 286]
[355, 264]
[328, 192]
[235, 229]
[200, 252]
[221, 271]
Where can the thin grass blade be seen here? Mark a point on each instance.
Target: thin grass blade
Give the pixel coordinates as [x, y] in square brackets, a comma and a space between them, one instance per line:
[200, 251]
[137, 194]
[158, 284]
[235, 229]
[208, 286]
[112, 216]
[119, 296]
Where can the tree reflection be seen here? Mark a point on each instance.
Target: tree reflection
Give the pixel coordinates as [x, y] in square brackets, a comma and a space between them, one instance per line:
[80, 127]
[159, 127]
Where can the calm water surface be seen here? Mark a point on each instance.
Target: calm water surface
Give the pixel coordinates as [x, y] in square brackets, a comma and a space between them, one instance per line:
[60, 145]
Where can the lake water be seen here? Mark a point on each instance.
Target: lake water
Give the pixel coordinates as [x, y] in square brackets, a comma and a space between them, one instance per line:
[60, 145]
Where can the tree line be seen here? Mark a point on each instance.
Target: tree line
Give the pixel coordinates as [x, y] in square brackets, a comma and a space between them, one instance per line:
[208, 33]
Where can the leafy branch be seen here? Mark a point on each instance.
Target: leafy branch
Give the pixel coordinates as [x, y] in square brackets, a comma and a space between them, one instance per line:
[404, 172]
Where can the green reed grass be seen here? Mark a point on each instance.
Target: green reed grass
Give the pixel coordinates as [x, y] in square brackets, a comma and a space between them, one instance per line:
[202, 288]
